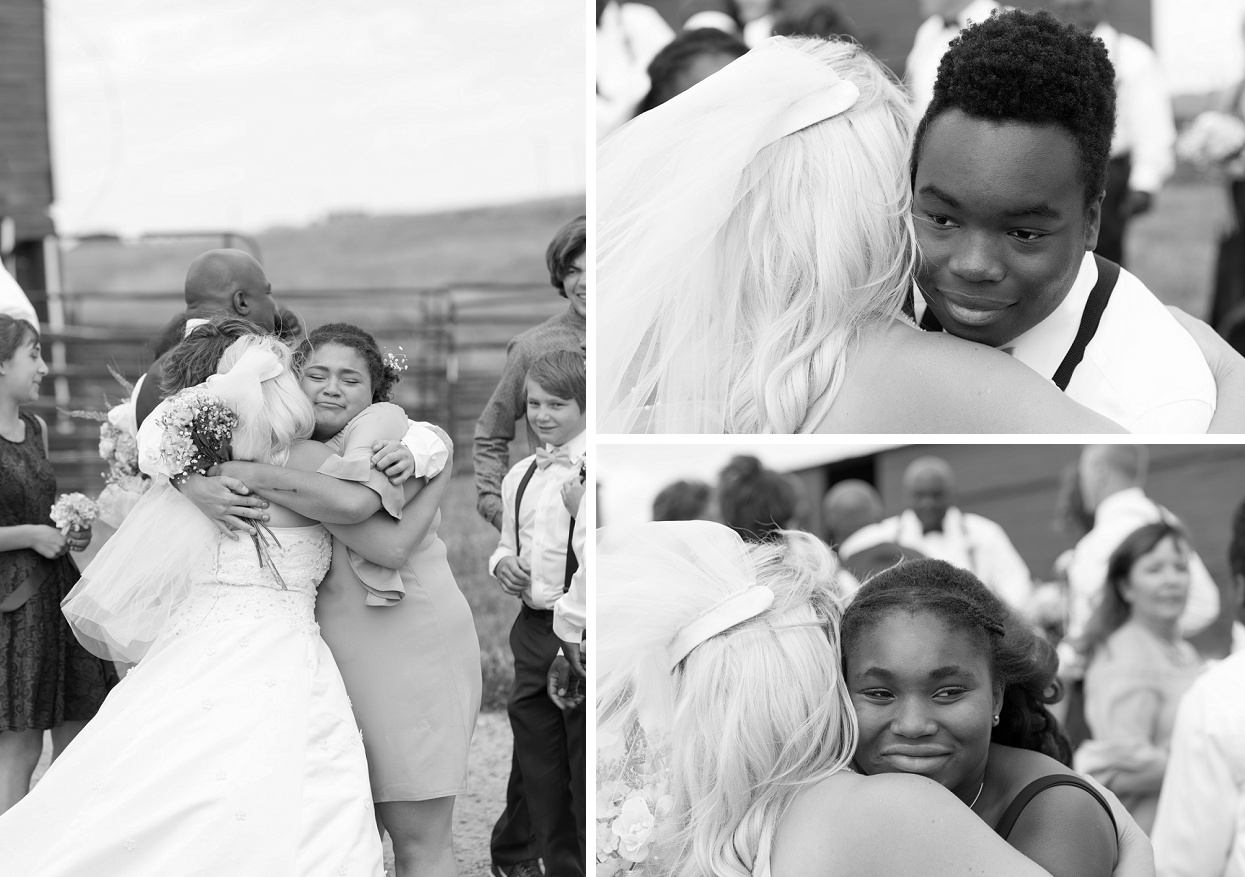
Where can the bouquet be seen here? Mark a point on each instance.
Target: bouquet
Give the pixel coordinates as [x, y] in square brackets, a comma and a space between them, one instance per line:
[633, 802]
[124, 484]
[1214, 140]
[196, 430]
[73, 511]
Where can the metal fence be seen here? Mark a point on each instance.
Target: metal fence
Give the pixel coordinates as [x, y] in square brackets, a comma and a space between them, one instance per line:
[454, 338]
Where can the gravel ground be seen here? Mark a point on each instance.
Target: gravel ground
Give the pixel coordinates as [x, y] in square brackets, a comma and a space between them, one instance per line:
[474, 813]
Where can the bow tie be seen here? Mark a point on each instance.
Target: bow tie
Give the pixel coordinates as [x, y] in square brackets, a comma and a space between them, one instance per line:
[544, 458]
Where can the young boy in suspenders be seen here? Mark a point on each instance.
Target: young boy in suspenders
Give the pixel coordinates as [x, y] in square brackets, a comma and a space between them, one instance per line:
[535, 563]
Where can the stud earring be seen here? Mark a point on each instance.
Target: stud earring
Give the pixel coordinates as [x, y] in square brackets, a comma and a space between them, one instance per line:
[996, 720]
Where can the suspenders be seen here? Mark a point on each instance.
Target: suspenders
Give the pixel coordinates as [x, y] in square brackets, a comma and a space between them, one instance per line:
[1099, 296]
[572, 562]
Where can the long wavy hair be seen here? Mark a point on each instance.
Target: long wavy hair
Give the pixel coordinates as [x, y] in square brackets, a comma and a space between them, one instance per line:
[759, 714]
[1022, 662]
[826, 246]
[287, 415]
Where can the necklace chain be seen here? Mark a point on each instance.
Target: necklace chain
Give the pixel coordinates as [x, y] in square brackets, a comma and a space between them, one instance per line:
[978, 795]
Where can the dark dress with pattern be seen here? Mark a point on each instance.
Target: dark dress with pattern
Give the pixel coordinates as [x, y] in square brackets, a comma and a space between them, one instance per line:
[46, 677]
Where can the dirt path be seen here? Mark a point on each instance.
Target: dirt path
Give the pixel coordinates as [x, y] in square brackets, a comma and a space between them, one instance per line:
[474, 813]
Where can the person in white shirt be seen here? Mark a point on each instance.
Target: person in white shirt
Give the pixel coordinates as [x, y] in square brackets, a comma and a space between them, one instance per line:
[1143, 152]
[535, 563]
[13, 301]
[1199, 829]
[1112, 479]
[943, 23]
[629, 36]
[1009, 167]
[851, 514]
[933, 526]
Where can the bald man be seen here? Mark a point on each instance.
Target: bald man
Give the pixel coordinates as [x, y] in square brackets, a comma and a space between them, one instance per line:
[852, 511]
[218, 283]
[1112, 479]
[935, 527]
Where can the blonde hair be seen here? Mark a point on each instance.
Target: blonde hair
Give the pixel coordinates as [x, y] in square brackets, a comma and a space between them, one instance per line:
[824, 229]
[287, 415]
[760, 712]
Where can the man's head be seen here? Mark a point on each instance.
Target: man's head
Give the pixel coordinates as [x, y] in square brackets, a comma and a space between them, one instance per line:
[230, 282]
[847, 507]
[1008, 171]
[929, 485]
[1083, 13]
[1105, 470]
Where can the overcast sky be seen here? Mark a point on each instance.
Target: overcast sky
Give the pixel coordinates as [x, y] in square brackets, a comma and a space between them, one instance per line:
[249, 113]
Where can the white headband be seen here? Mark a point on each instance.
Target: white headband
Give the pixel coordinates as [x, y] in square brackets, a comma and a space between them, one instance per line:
[725, 614]
[240, 386]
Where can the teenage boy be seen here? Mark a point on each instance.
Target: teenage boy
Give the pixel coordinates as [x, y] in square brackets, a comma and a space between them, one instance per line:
[1008, 172]
[535, 563]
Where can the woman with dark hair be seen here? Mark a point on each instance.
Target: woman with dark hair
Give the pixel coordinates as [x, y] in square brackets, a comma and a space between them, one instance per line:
[755, 502]
[47, 680]
[495, 427]
[947, 683]
[1139, 667]
[690, 57]
[398, 625]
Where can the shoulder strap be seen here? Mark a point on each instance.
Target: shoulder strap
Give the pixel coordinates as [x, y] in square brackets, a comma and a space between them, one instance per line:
[1029, 792]
[572, 562]
[518, 501]
[1108, 274]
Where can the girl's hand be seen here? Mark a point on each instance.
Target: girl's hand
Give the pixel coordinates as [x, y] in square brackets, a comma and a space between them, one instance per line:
[226, 501]
[78, 538]
[394, 460]
[48, 541]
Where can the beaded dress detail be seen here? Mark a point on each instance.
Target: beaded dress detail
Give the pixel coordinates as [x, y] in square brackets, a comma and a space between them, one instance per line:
[229, 749]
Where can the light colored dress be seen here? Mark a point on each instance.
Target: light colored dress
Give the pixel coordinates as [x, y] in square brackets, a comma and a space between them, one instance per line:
[405, 642]
[1133, 687]
[229, 749]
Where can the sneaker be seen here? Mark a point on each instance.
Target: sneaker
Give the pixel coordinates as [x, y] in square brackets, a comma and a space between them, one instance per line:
[528, 868]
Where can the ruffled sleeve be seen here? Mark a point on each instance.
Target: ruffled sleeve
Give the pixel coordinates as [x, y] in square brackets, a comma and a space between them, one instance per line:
[380, 421]
[427, 448]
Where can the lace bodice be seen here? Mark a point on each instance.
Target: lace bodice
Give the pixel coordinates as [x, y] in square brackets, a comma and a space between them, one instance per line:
[302, 558]
[238, 588]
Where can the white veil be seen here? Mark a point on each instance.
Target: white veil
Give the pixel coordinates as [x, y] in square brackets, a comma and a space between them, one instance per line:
[678, 323]
[669, 588]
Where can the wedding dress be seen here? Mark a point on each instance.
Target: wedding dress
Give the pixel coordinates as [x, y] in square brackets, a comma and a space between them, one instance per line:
[230, 749]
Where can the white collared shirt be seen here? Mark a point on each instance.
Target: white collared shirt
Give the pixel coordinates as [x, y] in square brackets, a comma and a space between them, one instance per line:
[544, 523]
[932, 39]
[570, 614]
[1199, 829]
[1115, 519]
[1142, 369]
[970, 542]
[1144, 125]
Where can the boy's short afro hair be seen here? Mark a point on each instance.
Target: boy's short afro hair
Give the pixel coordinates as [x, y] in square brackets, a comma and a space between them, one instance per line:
[1029, 67]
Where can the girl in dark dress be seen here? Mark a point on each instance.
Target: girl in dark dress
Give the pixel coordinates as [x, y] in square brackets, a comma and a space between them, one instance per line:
[948, 684]
[47, 680]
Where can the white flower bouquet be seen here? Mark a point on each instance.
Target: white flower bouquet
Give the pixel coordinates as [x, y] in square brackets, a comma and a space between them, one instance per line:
[632, 808]
[73, 511]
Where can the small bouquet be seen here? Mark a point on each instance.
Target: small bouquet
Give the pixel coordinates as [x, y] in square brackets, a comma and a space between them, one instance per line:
[73, 511]
[632, 808]
[124, 484]
[196, 430]
[1214, 140]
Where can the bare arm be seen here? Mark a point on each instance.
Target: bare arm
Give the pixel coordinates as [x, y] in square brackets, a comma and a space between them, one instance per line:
[1067, 832]
[48, 541]
[319, 497]
[903, 380]
[387, 542]
[890, 825]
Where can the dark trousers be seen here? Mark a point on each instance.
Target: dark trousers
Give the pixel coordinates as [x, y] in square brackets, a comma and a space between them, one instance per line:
[512, 840]
[1114, 222]
[548, 752]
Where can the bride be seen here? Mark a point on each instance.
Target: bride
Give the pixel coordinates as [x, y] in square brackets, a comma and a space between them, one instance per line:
[230, 748]
[755, 250]
[725, 728]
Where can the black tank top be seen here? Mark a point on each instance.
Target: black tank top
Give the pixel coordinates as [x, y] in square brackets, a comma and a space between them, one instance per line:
[1027, 794]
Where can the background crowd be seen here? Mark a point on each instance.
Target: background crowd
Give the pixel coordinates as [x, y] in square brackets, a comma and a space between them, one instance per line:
[1130, 603]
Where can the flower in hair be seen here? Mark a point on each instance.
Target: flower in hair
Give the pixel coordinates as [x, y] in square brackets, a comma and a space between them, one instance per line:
[395, 362]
